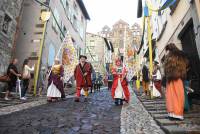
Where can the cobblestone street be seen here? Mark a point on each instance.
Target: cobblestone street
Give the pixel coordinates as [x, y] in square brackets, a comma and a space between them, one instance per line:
[136, 120]
[97, 116]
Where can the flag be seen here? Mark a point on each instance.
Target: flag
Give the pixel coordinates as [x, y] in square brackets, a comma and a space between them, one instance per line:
[146, 11]
[139, 9]
[167, 4]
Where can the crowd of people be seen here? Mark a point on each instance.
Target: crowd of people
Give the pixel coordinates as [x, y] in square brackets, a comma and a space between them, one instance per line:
[54, 77]
[15, 76]
[173, 80]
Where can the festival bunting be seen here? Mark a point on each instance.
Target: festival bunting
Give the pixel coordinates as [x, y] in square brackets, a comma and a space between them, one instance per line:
[167, 4]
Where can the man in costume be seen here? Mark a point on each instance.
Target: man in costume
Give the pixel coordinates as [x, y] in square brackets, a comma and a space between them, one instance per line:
[175, 70]
[120, 89]
[82, 75]
[55, 82]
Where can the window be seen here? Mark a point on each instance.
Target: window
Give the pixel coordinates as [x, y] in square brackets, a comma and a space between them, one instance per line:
[57, 18]
[173, 7]
[67, 7]
[75, 9]
[121, 33]
[33, 54]
[75, 23]
[69, 14]
[6, 24]
[92, 43]
[64, 31]
[82, 19]
[81, 31]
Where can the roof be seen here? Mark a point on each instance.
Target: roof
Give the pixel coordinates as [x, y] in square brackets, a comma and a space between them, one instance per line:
[83, 9]
[121, 22]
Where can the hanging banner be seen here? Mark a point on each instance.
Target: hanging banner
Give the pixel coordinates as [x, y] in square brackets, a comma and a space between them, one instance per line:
[146, 11]
[130, 61]
[69, 58]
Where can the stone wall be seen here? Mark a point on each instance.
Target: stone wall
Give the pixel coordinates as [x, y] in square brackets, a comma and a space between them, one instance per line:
[9, 11]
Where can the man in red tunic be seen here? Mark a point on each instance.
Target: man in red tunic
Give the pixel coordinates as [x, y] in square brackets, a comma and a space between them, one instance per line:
[82, 75]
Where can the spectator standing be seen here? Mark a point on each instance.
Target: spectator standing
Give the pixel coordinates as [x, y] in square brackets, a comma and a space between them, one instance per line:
[145, 79]
[26, 75]
[12, 72]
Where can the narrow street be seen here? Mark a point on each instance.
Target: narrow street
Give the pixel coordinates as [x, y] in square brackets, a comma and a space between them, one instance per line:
[97, 116]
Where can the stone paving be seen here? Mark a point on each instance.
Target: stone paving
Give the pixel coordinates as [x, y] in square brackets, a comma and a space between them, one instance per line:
[31, 99]
[97, 116]
[136, 120]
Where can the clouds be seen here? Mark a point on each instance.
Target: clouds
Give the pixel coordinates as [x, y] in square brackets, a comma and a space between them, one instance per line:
[107, 12]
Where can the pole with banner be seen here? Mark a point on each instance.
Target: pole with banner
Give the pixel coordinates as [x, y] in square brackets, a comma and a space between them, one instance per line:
[44, 17]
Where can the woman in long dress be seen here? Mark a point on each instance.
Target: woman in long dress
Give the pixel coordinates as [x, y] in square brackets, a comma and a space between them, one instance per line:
[157, 80]
[55, 82]
[175, 71]
[120, 91]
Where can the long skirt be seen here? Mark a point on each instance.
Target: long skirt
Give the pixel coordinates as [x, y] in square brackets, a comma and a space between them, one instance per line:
[175, 98]
[119, 93]
[53, 92]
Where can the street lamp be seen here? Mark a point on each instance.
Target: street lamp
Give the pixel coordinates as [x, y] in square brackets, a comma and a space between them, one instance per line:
[45, 15]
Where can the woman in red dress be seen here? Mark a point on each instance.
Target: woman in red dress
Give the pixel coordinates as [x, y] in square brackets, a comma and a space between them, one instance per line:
[120, 89]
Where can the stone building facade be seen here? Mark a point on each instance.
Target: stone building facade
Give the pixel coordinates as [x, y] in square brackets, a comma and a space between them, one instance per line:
[9, 17]
[67, 16]
[180, 24]
[95, 46]
[122, 36]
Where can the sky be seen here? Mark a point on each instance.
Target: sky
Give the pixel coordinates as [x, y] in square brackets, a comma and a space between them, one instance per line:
[107, 12]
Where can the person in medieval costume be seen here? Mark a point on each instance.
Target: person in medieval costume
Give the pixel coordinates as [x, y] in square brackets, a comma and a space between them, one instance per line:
[82, 75]
[175, 70]
[157, 80]
[119, 91]
[55, 82]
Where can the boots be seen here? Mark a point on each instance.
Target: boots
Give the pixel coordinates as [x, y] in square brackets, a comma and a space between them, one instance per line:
[120, 102]
[116, 102]
[77, 100]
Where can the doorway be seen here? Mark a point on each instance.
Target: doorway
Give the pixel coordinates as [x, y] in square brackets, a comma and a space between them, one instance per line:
[187, 37]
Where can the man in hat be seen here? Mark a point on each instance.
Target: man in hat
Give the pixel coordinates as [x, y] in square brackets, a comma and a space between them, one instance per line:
[82, 75]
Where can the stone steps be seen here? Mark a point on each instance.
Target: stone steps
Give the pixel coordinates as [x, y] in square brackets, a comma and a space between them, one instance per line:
[157, 109]
[180, 130]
